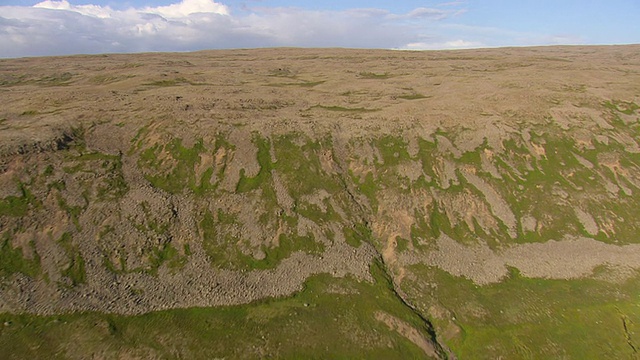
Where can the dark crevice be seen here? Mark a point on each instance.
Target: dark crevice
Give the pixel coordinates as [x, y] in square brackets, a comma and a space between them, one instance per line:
[443, 351]
[627, 334]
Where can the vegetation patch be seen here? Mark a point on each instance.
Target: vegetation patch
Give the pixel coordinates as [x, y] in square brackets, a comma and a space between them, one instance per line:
[414, 96]
[58, 79]
[173, 82]
[74, 270]
[523, 318]
[625, 107]
[368, 187]
[224, 247]
[30, 113]
[355, 235]
[372, 75]
[13, 261]
[343, 109]
[73, 211]
[114, 185]
[263, 178]
[17, 206]
[304, 84]
[168, 254]
[336, 316]
[298, 160]
[177, 176]
[109, 79]
[393, 150]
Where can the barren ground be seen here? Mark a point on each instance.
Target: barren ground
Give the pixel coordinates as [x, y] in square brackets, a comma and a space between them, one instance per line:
[131, 184]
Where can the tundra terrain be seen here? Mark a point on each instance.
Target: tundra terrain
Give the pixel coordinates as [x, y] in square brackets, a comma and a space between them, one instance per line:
[327, 203]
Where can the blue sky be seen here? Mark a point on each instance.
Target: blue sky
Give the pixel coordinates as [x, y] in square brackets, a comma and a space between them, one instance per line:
[58, 27]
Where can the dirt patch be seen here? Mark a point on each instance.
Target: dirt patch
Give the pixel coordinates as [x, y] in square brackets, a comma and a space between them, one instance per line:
[231, 104]
[587, 221]
[499, 207]
[567, 259]
[408, 332]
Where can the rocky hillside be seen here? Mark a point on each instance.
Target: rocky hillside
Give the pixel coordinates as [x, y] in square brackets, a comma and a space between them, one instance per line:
[491, 189]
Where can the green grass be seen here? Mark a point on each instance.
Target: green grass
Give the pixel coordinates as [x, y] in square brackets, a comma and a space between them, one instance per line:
[222, 246]
[402, 244]
[522, 318]
[559, 169]
[74, 270]
[427, 229]
[77, 135]
[165, 83]
[168, 254]
[393, 150]
[314, 213]
[173, 82]
[414, 96]
[108, 168]
[262, 181]
[109, 79]
[114, 185]
[58, 79]
[421, 231]
[14, 206]
[304, 84]
[153, 256]
[73, 211]
[473, 157]
[427, 154]
[13, 261]
[315, 323]
[138, 140]
[384, 174]
[13, 79]
[529, 185]
[352, 236]
[181, 175]
[625, 107]
[18, 206]
[205, 186]
[368, 187]
[48, 171]
[372, 75]
[343, 109]
[298, 162]
[263, 178]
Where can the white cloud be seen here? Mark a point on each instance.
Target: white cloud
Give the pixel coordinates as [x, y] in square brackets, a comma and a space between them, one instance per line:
[89, 10]
[490, 36]
[188, 7]
[427, 13]
[451, 44]
[55, 27]
[462, 44]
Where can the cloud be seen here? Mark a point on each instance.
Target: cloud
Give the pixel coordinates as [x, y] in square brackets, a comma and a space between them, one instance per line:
[451, 44]
[188, 7]
[427, 13]
[89, 10]
[57, 27]
[491, 36]
[452, 3]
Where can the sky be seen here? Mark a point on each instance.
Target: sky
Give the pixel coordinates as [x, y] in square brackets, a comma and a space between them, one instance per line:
[63, 27]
